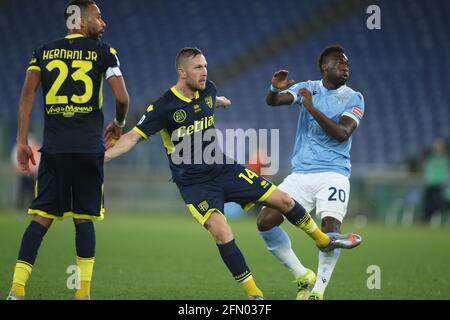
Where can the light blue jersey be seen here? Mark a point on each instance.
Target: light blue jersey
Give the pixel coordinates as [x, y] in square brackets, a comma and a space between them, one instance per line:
[315, 150]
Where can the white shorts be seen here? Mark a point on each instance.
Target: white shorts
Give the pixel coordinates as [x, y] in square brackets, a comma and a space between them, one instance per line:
[327, 192]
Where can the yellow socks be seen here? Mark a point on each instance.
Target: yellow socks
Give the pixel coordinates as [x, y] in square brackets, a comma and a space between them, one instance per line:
[322, 240]
[18, 289]
[302, 219]
[308, 225]
[250, 287]
[86, 266]
[84, 292]
[22, 272]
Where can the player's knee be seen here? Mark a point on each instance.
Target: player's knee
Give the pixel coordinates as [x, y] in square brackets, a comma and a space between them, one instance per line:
[219, 228]
[45, 222]
[79, 221]
[268, 218]
[286, 203]
[222, 234]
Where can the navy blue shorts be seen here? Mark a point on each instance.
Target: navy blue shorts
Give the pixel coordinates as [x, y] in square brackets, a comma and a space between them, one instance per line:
[69, 185]
[235, 184]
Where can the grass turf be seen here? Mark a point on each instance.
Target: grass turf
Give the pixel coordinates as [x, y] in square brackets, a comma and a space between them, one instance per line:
[156, 256]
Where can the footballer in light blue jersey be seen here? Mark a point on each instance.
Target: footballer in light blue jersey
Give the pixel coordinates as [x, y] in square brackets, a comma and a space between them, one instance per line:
[315, 150]
[330, 112]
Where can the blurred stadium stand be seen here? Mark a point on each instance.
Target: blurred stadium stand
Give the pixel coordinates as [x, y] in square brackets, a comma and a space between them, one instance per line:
[400, 69]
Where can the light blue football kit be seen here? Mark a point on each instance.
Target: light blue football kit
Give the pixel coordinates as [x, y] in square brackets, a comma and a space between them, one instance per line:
[320, 175]
[315, 150]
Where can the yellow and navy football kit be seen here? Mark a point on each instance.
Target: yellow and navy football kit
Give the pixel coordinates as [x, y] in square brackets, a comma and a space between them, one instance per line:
[70, 177]
[204, 185]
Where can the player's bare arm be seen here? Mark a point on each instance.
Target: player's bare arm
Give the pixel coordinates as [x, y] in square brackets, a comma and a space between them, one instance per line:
[114, 130]
[222, 102]
[280, 81]
[123, 145]
[340, 131]
[24, 153]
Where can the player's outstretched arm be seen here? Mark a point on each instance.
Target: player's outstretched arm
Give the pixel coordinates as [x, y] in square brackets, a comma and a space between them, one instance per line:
[222, 102]
[24, 153]
[280, 81]
[123, 145]
[114, 129]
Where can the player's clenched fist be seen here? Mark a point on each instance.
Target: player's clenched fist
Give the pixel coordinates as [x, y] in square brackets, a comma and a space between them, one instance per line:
[307, 98]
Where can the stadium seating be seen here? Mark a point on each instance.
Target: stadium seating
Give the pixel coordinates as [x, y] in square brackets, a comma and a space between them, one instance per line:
[400, 69]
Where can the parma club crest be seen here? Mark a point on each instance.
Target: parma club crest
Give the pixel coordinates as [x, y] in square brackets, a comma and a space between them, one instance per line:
[204, 206]
[209, 101]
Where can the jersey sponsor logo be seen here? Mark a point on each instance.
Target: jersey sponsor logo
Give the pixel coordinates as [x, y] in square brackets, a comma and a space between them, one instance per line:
[209, 101]
[205, 147]
[179, 115]
[203, 124]
[68, 111]
[203, 206]
[197, 108]
[357, 112]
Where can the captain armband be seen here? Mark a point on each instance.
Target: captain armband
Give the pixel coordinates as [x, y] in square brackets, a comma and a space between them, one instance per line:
[113, 72]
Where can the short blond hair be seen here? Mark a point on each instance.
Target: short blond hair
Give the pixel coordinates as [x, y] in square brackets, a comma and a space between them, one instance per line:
[186, 53]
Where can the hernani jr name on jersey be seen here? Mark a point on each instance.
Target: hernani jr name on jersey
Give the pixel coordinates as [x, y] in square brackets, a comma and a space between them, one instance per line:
[68, 111]
[69, 54]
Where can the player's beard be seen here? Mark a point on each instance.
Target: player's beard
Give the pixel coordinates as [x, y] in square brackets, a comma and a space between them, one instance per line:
[94, 33]
[337, 80]
[194, 86]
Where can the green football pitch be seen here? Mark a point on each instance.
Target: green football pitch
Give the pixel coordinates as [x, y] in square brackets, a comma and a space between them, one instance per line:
[156, 256]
